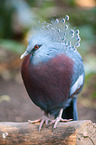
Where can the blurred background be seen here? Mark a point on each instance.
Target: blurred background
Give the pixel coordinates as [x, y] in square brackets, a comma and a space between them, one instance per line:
[16, 19]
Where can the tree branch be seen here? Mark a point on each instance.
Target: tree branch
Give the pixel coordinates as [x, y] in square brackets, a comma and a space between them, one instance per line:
[70, 133]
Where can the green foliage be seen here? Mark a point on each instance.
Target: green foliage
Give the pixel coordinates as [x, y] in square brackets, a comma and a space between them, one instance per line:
[94, 94]
[12, 46]
[42, 4]
[87, 39]
[5, 20]
[70, 2]
[47, 4]
[31, 2]
[90, 64]
[87, 78]
[90, 84]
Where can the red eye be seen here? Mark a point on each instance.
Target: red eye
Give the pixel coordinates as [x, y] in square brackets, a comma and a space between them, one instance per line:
[36, 46]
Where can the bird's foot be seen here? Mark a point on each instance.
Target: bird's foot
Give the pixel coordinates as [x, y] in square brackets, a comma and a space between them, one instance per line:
[42, 120]
[59, 119]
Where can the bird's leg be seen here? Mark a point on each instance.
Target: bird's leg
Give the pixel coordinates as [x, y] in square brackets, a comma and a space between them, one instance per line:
[75, 114]
[58, 119]
[42, 120]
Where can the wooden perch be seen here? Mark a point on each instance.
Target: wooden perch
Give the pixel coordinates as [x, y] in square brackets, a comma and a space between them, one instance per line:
[69, 133]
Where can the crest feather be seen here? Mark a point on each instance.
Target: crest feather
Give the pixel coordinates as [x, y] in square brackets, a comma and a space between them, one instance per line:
[58, 31]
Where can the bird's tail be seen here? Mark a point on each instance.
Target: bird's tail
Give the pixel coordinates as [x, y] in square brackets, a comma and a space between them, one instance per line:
[70, 112]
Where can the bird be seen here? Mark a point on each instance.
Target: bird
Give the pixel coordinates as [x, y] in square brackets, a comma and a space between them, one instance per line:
[53, 70]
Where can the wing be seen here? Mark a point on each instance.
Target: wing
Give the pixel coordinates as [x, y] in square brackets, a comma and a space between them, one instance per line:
[78, 75]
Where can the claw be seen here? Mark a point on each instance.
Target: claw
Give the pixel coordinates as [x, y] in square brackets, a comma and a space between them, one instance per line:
[48, 121]
[59, 119]
[43, 120]
[41, 124]
[35, 121]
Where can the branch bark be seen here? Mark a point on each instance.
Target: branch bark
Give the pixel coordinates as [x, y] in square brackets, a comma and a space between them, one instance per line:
[69, 133]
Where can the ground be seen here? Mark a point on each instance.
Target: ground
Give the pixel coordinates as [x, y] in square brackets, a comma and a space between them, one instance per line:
[15, 104]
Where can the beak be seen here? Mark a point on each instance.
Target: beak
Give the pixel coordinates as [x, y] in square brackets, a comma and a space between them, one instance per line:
[24, 54]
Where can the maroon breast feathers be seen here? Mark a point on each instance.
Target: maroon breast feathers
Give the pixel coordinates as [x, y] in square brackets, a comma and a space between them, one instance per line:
[48, 83]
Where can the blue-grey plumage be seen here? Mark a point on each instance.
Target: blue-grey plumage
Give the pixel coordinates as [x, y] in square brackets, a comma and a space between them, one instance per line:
[53, 71]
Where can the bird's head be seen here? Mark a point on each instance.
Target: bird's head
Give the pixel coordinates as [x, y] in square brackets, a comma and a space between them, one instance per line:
[35, 43]
[56, 34]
